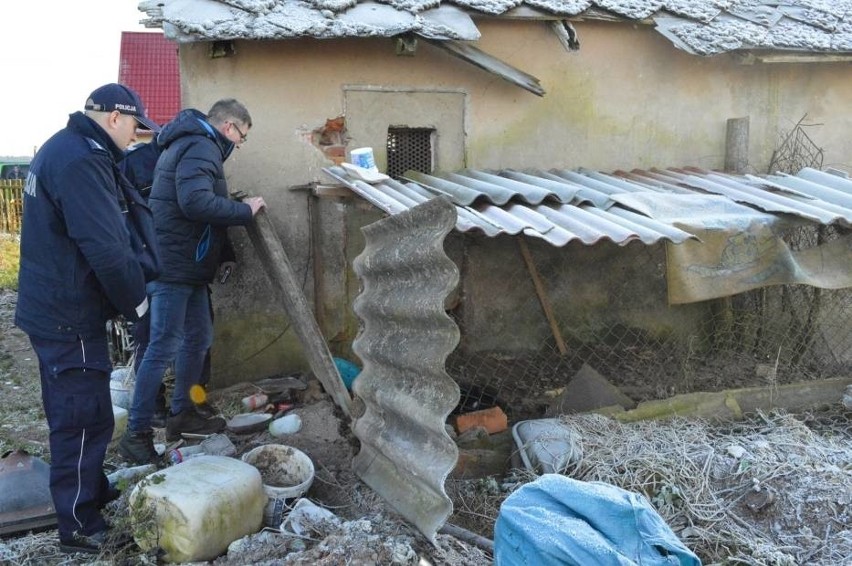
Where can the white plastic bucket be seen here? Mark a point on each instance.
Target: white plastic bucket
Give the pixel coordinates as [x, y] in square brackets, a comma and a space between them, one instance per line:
[121, 385]
[285, 471]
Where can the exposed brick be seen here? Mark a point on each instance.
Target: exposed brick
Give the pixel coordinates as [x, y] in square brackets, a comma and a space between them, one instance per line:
[494, 420]
[335, 151]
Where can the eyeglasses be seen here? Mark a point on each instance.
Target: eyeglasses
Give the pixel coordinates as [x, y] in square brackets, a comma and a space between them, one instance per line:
[243, 137]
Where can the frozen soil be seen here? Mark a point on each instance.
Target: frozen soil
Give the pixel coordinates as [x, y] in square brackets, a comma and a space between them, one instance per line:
[773, 491]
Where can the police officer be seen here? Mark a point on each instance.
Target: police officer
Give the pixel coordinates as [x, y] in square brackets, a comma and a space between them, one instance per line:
[80, 266]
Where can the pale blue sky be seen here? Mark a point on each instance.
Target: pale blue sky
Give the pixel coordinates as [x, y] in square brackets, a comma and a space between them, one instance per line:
[55, 54]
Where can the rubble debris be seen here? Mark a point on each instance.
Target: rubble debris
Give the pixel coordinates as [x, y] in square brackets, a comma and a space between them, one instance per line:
[25, 501]
[491, 456]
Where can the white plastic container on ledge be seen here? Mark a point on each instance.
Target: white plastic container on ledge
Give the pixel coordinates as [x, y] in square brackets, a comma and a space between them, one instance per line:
[363, 158]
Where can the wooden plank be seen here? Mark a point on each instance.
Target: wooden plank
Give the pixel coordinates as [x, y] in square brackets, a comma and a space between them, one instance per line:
[278, 267]
[542, 296]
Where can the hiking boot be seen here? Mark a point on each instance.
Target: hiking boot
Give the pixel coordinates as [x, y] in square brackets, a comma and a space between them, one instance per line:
[138, 448]
[161, 410]
[206, 410]
[86, 544]
[158, 420]
[94, 543]
[109, 495]
[189, 420]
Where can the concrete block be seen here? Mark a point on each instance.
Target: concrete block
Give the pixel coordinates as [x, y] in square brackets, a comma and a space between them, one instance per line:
[482, 462]
[588, 390]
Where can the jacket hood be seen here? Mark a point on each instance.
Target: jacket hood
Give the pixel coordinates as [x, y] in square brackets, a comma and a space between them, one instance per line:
[191, 122]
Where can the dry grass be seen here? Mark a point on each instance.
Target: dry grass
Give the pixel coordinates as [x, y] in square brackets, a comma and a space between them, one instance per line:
[772, 491]
[10, 260]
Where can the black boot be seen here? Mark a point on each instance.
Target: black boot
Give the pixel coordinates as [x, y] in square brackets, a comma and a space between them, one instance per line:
[189, 420]
[138, 448]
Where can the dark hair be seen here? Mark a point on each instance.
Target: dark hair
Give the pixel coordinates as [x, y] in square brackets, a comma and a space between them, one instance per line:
[229, 109]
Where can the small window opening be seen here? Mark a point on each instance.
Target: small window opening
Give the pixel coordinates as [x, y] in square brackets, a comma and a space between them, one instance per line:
[410, 148]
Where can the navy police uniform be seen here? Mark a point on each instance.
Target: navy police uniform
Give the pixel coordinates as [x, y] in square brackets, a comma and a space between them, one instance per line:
[79, 268]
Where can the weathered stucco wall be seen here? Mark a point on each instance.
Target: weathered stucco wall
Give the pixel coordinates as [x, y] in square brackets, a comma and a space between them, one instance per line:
[627, 99]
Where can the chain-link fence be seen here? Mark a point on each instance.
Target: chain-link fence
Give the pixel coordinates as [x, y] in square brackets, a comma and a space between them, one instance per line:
[606, 306]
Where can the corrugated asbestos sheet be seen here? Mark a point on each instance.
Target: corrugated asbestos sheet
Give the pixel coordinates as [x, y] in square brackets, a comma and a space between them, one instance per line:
[560, 206]
[820, 197]
[403, 395]
[702, 27]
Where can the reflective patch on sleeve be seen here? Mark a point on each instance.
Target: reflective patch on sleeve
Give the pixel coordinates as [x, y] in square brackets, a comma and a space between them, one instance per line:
[142, 308]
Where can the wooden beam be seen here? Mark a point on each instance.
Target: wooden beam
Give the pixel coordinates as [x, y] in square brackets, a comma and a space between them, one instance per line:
[542, 296]
[278, 267]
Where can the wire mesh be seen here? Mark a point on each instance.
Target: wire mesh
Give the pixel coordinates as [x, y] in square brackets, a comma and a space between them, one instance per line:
[409, 148]
[796, 151]
[611, 313]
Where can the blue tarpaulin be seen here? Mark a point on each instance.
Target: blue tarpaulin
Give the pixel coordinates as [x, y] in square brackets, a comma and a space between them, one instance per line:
[558, 520]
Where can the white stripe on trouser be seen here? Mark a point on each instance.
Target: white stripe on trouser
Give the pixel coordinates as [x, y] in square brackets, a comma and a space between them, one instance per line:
[79, 479]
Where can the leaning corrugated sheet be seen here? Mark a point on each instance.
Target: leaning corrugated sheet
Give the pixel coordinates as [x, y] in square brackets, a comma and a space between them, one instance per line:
[560, 205]
[404, 395]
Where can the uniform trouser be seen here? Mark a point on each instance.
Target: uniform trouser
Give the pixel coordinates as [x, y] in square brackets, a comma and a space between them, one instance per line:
[79, 415]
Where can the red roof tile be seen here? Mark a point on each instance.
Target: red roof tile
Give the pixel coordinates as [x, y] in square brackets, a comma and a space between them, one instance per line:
[149, 65]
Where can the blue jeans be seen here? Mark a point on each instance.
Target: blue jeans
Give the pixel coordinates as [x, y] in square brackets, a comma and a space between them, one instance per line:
[181, 332]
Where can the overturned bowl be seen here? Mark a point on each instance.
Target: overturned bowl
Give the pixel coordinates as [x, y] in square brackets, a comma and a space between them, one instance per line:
[249, 422]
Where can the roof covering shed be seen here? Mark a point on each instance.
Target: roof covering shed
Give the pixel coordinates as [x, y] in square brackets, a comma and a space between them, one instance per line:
[702, 27]
[723, 231]
[562, 205]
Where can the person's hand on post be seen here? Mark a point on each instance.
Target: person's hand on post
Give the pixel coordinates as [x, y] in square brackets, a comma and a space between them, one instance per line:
[256, 203]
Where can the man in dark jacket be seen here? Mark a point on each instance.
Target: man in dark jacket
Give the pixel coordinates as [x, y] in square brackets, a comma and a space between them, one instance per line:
[79, 268]
[192, 211]
[138, 167]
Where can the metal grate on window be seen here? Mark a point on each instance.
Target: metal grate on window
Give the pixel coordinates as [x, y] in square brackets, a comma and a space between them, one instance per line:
[409, 148]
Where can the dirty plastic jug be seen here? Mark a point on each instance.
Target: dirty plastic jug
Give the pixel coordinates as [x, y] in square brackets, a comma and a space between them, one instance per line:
[195, 510]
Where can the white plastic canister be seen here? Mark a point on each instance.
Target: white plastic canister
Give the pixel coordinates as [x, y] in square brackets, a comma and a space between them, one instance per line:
[363, 158]
[195, 510]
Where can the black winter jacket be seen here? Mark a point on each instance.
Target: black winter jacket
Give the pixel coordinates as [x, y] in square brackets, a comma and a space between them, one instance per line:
[138, 166]
[78, 268]
[190, 200]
